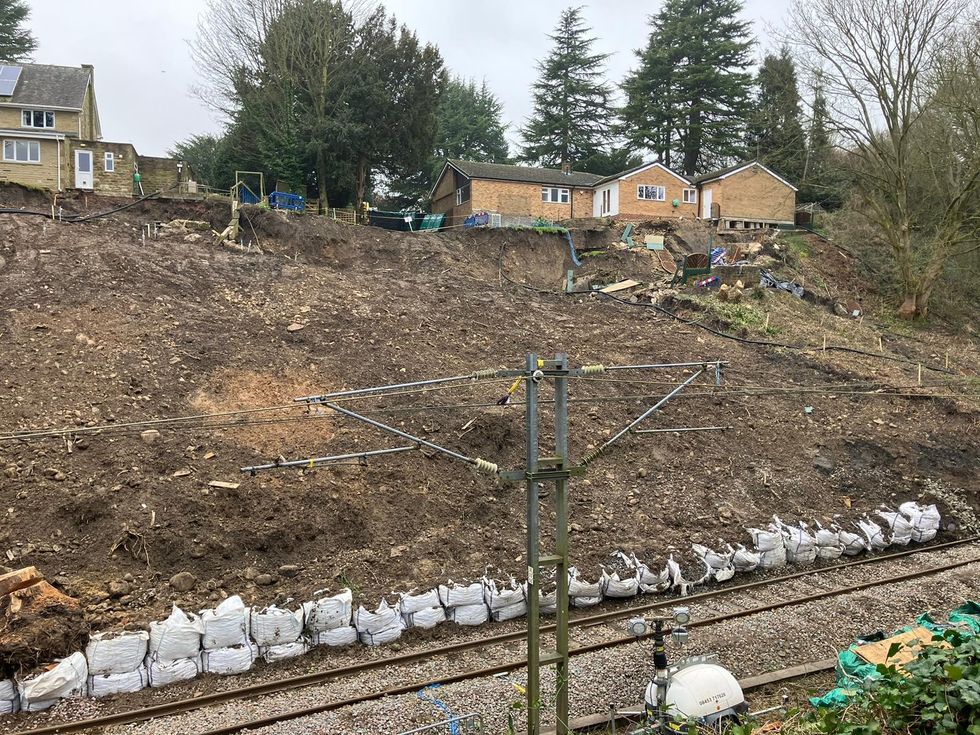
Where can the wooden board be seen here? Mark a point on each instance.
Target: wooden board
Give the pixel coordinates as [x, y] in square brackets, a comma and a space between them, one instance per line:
[620, 286]
[19, 579]
[877, 652]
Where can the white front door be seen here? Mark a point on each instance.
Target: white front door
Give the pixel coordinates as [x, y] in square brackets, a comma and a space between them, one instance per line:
[706, 204]
[83, 169]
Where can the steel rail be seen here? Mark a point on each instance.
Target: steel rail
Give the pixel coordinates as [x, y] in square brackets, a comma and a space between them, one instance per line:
[312, 679]
[577, 651]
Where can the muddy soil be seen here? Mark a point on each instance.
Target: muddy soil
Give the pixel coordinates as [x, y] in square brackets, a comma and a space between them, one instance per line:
[99, 329]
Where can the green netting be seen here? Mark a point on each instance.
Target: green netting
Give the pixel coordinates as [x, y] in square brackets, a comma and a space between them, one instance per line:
[853, 671]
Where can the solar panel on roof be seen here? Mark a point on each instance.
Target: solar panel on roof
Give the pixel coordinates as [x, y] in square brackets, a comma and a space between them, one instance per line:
[8, 79]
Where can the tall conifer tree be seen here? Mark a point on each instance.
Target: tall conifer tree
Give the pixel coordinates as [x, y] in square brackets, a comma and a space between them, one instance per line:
[777, 137]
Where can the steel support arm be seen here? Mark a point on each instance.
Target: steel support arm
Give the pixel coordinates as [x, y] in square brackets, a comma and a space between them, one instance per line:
[315, 461]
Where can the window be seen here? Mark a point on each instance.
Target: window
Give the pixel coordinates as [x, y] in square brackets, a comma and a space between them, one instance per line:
[606, 200]
[690, 196]
[554, 195]
[651, 193]
[36, 119]
[22, 151]
[110, 162]
[462, 194]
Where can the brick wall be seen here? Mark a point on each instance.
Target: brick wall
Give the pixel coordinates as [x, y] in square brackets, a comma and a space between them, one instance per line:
[631, 207]
[88, 130]
[118, 182]
[754, 195]
[517, 198]
[160, 174]
[43, 174]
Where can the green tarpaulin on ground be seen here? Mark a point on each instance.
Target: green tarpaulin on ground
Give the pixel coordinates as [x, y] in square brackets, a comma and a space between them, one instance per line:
[853, 671]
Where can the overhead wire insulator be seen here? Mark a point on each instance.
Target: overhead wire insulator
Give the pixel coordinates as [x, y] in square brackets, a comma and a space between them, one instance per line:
[593, 455]
[485, 466]
[484, 374]
[593, 369]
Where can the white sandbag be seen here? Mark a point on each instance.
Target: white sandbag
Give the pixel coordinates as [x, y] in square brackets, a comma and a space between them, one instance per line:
[381, 619]
[647, 580]
[925, 520]
[457, 595]
[336, 636]
[498, 597]
[829, 546]
[517, 610]
[613, 586]
[179, 636]
[770, 547]
[427, 617]
[577, 587]
[899, 525]
[380, 637]
[283, 651]
[275, 625]
[744, 560]
[102, 685]
[9, 699]
[469, 614]
[230, 660]
[720, 563]
[226, 625]
[548, 602]
[851, 543]
[162, 673]
[410, 603]
[872, 532]
[801, 547]
[584, 601]
[327, 613]
[67, 678]
[116, 652]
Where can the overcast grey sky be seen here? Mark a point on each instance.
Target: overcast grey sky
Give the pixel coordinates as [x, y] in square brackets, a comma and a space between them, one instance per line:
[144, 73]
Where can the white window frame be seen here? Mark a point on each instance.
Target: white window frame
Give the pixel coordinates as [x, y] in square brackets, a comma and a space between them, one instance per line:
[459, 195]
[555, 195]
[31, 146]
[46, 115]
[109, 162]
[690, 196]
[641, 193]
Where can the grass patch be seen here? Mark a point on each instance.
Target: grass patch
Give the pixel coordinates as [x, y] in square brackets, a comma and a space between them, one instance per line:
[795, 244]
[738, 317]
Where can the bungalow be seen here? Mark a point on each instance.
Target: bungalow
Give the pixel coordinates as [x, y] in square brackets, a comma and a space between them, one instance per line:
[645, 192]
[519, 194]
[51, 137]
[747, 195]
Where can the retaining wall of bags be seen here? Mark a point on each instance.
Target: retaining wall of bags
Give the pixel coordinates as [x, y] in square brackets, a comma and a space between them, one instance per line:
[229, 638]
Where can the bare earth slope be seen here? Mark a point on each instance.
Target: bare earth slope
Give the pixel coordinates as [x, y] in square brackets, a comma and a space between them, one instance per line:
[98, 328]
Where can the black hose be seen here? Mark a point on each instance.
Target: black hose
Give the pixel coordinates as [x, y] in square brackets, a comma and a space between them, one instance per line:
[76, 218]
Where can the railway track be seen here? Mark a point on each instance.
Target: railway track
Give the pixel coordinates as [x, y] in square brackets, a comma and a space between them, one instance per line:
[323, 677]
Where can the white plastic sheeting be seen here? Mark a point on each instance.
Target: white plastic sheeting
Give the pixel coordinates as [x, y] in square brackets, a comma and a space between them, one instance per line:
[899, 525]
[9, 700]
[179, 636]
[459, 595]
[336, 637]
[102, 685]
[230, 660]
[162, 672]
[801, 547]
[116, 652]
[328, 613]
[924, 520]
[275, 625]
[769, 546]
[283, 651]
[68, 678]
[226, 625]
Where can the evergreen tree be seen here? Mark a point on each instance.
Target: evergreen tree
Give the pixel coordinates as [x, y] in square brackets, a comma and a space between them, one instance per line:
[469, 125]
[612, 162]
[822, 179]
[777, 137]
[572, 113]
[16, 42]
[688, 101]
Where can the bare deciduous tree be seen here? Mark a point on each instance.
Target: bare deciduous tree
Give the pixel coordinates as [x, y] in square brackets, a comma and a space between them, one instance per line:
[893, 75]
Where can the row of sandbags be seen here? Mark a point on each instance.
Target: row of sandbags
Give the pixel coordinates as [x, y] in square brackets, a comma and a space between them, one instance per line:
[230, 637]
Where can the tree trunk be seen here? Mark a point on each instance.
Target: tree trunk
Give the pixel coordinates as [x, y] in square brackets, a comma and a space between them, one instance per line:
[361, 189]
[321, 181]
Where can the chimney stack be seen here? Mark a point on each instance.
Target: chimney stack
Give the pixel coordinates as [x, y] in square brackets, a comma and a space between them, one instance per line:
[566, 167]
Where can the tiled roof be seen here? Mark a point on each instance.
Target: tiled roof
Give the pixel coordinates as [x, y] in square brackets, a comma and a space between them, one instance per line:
[525, 174]
[44, 85]
[627, 172]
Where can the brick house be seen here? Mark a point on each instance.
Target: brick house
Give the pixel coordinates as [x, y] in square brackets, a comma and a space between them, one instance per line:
[645, 192]
[747, 195]
[520, 194]
[52, 137]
